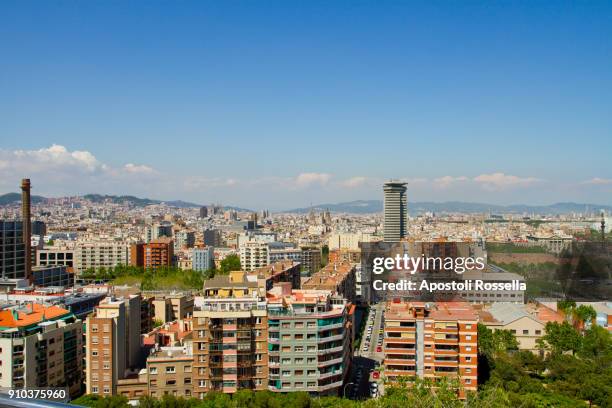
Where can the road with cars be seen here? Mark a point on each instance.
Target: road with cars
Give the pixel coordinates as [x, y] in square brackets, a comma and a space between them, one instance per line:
[363, 383]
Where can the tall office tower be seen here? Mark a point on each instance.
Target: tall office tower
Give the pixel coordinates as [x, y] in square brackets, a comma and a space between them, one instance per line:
[310, 336]
[113, 349]
[212, 237]
[431, 341]
[40, 347]
[230, 336]
[27, 226]
[12, 250]
[396, 211]
[203, 212]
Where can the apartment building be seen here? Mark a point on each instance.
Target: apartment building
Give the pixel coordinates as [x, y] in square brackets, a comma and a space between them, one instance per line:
[347, 240]
[202, 259]
[310, 335]
[183, 239]
[113, 344]
[212, 237]
[431, 340]
[55, 255]
[172, 307]
[40, 346]
[337, 277]
[230, 336]
[168, 372]
[281, 254]
[156, 231]
[254, 255]
[100, 254]
[155, 254]
[280, 271]
[311, 260]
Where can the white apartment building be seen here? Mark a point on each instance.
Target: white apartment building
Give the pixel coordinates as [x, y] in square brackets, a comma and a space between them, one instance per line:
[347, 240]
[100, 254]
[254, 255]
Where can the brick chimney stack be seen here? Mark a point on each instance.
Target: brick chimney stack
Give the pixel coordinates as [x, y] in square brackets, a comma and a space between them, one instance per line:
[27, 226]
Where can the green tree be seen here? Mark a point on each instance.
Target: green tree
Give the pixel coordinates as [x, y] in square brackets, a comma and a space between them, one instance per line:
[229, 264]
[584, 314]
[597, 342]
[560, 338]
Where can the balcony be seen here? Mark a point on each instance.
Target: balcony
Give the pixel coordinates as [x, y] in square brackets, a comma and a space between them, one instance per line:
[330, 374]
[331, 338]
[326, 387]
[330, 362]
[330, 350]
[331, 326]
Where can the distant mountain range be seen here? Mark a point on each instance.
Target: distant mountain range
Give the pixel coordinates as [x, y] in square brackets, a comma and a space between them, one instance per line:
[354, 207]
[376, 206]
[15, 198]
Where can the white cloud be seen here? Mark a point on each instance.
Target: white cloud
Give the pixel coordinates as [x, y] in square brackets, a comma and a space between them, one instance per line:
[58, 169]
[355, 182]
[598, 181]
[53, 158]
[138, 168]
[501, 181]
[447, 181]
[308, 179]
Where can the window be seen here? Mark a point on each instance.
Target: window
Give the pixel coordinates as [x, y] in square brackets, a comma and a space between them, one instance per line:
[188, 380]
[526, 331]
[106, 389]
[106, 366]
[538, 332]
[468, 380]
[94, 390]
[94, 353]
[170, 382]
[170, 369]
[468, 359]
[286, 373]
[468, 326]
[468, 349]
[94, 328]
[153, 370]
[468, 337]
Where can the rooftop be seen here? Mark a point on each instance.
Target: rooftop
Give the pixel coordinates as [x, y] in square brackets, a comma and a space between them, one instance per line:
[30, 314]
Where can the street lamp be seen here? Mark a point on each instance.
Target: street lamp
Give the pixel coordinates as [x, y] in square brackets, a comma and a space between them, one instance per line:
[344, 389]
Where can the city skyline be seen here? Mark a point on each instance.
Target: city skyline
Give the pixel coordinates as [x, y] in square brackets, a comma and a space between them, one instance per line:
[298, 104]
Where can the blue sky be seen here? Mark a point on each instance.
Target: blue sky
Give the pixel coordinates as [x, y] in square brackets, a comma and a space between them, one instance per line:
[280, 104]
